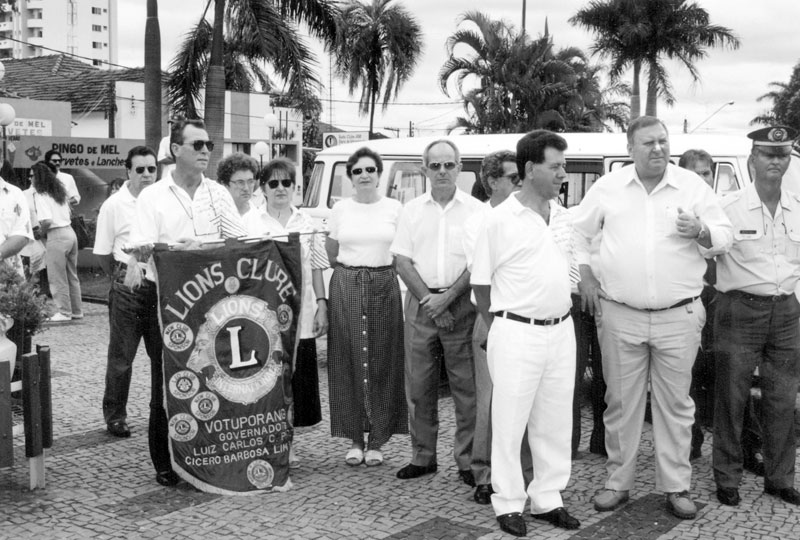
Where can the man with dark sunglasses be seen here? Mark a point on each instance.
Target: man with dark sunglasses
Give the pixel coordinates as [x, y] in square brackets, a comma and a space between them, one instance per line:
[431, 261]
[133, 312]
[183, 208]
[54, 160]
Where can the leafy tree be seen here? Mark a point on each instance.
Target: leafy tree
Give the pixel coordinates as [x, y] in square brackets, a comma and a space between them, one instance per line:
[785, 99]
[637, 33]
[245, 36]
[522, 82]
[377, 48]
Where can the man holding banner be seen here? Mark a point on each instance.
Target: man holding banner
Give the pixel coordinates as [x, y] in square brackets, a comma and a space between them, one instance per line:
[228, 315]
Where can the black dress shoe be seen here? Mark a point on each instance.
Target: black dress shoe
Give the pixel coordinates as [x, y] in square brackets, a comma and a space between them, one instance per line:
[483, 494]
[415, 471]
[790, 495]
[560, 518]
[467, 477]
[168, 478]
[119, 429]
[513, 524]
[754, 463]
[728, 496]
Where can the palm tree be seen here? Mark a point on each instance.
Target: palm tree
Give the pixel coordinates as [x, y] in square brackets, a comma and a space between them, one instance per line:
[785, 103]
[521, 82]
[246, 35]
[377, 48]
[636, 33]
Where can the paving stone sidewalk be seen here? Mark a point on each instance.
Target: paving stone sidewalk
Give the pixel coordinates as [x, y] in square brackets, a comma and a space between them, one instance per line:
[102, 487]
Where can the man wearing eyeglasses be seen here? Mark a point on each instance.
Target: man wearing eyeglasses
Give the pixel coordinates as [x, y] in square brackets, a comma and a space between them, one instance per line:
[431, 261]
[133, 313]
[498, 178]
[54, 160]
[756, 321]
[185, 208]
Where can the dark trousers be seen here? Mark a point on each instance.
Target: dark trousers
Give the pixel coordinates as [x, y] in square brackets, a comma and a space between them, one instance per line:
[587, 355]
[133, 316]
[750, 334]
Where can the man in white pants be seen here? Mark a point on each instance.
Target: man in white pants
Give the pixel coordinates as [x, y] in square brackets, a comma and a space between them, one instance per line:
[521, 281]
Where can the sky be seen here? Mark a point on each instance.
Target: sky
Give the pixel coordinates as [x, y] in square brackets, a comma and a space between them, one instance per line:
[769, 49]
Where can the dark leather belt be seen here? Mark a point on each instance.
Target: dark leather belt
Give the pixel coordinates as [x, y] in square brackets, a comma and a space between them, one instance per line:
[774, 299]
[440, 290]
[679, 303]
[527, 320]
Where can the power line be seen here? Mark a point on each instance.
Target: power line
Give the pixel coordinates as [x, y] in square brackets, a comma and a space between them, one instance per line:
[416, 103]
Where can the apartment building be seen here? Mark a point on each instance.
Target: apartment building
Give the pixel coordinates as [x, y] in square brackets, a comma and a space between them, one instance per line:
[86, 28]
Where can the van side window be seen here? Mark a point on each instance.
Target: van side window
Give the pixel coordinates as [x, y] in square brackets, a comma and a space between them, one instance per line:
[311, 199]
[726, 180]
[581, 175]
[341, 187]
[406, 181]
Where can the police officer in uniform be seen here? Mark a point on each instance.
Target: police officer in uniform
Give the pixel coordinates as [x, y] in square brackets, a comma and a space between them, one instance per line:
[757, 322]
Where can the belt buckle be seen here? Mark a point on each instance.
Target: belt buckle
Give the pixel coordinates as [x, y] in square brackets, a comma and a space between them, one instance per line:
[776, 298]
[549, 322]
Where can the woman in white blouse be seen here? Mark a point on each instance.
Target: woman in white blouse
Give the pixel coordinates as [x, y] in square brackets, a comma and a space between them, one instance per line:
[238, 173]
[365, 342]
[61, 256]
[279, 218]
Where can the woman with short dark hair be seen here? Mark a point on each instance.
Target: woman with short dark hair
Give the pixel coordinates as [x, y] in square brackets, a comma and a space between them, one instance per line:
[365, 341]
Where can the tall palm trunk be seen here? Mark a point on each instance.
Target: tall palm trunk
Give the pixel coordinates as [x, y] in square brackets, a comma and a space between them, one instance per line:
[152, 76]
[651, 107]
[215, 90]
[636, 92]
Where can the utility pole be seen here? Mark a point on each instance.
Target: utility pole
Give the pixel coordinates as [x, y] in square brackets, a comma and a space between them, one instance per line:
[410, 128]
[524, 5]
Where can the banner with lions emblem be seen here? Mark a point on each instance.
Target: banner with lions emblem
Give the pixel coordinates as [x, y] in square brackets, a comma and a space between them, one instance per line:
[229, 319]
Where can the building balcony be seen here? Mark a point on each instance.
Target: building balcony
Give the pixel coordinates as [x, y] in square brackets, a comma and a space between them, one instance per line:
[35, 23]
[6, 26]
[6, 44]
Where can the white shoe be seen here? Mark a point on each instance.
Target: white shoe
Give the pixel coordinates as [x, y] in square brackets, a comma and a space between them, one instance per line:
[59, 317]
[77, 317]
[294, 461]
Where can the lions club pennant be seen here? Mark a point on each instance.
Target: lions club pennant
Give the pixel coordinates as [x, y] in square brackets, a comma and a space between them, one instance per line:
[229, 319]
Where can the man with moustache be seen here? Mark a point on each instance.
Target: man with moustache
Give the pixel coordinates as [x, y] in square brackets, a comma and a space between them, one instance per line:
[657, 222]
[132, 313]
[756, 322]
[184, 208]
[520, 276]
[431, 261]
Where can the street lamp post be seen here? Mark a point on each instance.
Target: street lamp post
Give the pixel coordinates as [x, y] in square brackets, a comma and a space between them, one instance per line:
[261, 148]
[271, 120]
[710, 116]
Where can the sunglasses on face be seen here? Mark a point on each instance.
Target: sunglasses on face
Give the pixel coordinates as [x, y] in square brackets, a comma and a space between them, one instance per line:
[448, 165]
[198, 145]
[286, 182]
[55, 161]
[150, 168]
[359, 170]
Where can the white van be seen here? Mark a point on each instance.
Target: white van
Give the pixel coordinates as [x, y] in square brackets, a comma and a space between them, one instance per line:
[589, 156]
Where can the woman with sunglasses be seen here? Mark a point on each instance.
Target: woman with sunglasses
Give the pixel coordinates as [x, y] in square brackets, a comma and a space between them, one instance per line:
[61, 255]
[365, 342]
[279, 218]
[238, 173]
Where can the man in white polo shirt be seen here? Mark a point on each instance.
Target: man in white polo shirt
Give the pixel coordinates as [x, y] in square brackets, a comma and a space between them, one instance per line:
[133, 313]
[184, 207]
[521, 279]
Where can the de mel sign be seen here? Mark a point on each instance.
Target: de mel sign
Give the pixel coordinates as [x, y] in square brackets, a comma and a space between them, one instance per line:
[75, 152]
